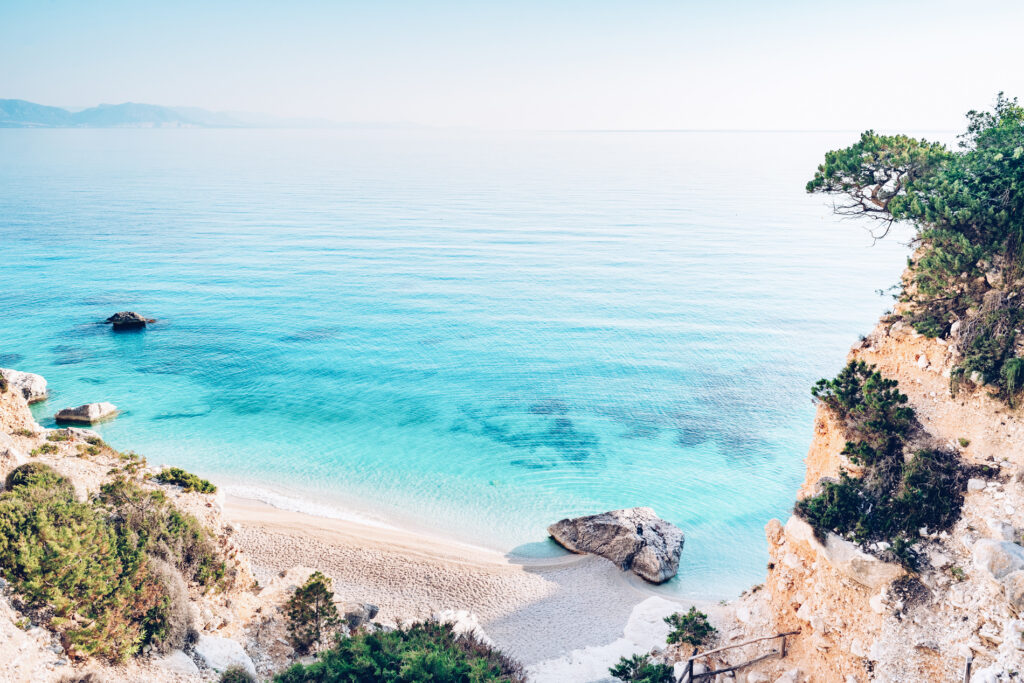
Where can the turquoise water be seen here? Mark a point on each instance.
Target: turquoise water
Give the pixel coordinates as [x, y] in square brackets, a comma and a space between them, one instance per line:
[479, 333]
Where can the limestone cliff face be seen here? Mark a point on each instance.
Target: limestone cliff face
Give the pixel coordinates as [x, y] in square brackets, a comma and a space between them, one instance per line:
[865, 620]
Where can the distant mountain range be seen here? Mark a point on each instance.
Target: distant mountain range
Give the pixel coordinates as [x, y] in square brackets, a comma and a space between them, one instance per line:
[24, 114]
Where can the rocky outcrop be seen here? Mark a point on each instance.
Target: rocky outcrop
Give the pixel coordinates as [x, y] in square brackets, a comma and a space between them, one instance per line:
[128, 320]
[29, 385]
[90, 413]
[220, 654]
[635, 539]
[846, 557]
[11, 456]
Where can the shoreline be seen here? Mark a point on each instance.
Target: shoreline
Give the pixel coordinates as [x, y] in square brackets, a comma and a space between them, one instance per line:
[535, 609]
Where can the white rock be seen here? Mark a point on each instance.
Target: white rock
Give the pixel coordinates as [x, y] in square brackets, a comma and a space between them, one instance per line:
[846, 557]
[998, 558]
[1002, 530]
[221, 654]
[922, 361]
[857, 648]
[989, 674]
[177, 662]
[975, 484]
[756, 677]
[10, 456]
[32, 387]
[877, 603]
[88, 413]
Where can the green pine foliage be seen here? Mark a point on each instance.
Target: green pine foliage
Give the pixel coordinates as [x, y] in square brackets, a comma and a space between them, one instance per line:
[897, 495]
[967, 207]
[640, 669]
[236, 674]
[83, 571]
[187, 480]
[692, 628]
[425, 651]
[312, 616]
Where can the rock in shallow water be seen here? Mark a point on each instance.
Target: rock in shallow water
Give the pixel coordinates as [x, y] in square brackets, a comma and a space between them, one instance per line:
[128, 320]
[87, 414]
[635, 539]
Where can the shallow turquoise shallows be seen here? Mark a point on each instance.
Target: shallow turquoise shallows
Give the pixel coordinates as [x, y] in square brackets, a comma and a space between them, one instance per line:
[478, 334]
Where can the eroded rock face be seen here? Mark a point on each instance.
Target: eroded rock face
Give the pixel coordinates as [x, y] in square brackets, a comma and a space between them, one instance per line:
[128, 320]
[846, 557]
[88, 413]
[635, 539]
[31, 386]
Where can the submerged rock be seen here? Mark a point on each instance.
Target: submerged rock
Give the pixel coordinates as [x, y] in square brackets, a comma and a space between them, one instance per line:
[31, 386]
[635, 539]
[87, 414]
[128, 320]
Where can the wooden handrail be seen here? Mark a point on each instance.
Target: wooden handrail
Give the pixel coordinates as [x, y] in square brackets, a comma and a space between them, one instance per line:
[746, 642]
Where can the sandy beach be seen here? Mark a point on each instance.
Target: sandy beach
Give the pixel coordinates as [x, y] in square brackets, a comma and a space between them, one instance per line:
[533, 609]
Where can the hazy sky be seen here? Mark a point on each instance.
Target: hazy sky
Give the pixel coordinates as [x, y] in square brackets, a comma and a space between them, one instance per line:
[775, 64]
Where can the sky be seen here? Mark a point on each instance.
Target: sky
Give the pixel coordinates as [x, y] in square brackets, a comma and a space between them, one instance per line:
[529, 64]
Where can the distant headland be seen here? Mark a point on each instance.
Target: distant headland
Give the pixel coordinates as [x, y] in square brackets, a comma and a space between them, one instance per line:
[25, 114]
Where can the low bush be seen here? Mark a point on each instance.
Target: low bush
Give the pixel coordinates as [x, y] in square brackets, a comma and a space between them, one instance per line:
[640, 669]
[692, 628]
[424, 651]
[236, 674]
[58, 436]
[187, 480]
[43, 449]
[312, 616]
[3, 384]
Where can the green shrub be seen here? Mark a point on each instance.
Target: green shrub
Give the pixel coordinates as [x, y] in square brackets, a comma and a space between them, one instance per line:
[312, 616]
[39, 478]
[3, 384]
[640, 669]
[146, 520]
[23, 432]
[58, 436]
[425, 651]
[187, 480]
[1012, 374]
[872, 406]
[894, 498]
[236, 674]
[62, 558]
[692, 627]
[43, 449]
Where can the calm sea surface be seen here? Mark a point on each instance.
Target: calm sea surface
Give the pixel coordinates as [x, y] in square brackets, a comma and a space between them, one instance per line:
[477, 333]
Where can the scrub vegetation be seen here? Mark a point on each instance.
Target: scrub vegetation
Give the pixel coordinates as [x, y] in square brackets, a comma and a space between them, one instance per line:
[966, 277]
[901, 489]
[108, 575]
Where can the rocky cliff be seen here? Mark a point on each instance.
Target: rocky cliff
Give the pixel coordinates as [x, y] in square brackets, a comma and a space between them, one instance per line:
[863, 619]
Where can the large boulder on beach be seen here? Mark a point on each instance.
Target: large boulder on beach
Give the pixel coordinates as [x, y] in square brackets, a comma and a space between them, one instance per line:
[29, 385]
[87, 414]
[635, 539]
[128, 320]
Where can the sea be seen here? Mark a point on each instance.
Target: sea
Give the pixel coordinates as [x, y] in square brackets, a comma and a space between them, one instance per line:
[473, 334]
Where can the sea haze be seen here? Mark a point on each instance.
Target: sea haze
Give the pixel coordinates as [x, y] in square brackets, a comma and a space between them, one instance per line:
[475, 333]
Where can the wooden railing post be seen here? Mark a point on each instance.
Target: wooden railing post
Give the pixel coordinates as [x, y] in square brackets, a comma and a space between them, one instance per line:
[967, 668]
[782, 654]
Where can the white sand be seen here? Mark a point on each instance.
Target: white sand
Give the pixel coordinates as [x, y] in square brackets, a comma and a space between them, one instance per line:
[534, 610]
